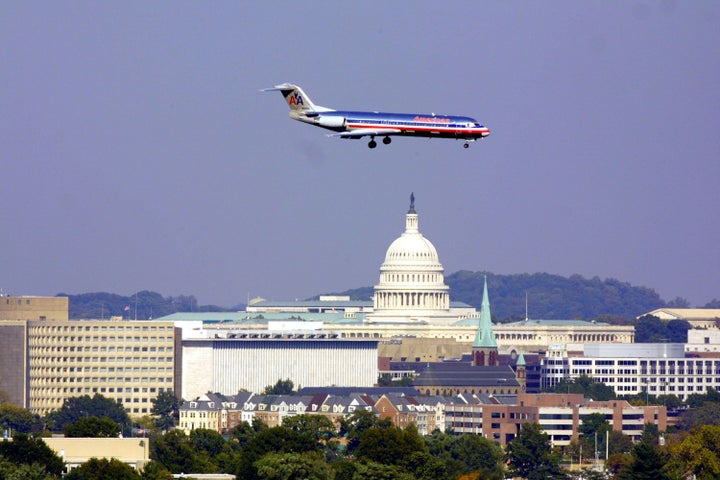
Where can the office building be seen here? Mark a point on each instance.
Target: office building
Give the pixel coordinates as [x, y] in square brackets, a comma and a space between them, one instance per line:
[560, 416]
[641, 368]
[229, 361]
[33, 308]
[128, 361]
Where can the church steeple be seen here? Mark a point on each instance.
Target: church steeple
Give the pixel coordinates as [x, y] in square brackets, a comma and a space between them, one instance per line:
[485, 336]
[520, 372]
[485, 348]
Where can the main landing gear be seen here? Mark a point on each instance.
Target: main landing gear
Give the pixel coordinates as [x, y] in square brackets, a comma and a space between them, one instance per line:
[466, 145]
[373, 143]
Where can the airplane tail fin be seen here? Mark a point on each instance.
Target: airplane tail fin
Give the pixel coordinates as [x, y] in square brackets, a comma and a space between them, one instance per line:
[296, 99]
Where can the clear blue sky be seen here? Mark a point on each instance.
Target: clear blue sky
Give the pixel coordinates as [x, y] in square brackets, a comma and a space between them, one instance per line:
[137, 152]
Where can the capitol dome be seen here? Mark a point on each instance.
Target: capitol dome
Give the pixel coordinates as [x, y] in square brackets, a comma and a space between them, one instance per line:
[412, 285]
[411, 248]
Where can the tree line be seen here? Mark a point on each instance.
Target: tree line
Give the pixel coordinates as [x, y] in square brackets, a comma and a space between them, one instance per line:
[362, 446]
[142, 305]
[550, 297]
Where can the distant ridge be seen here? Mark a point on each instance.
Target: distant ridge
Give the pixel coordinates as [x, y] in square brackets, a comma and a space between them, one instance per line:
[142, 305]
[549, 296]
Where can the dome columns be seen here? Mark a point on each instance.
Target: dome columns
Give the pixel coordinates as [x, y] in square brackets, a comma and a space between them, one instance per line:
[411, 277]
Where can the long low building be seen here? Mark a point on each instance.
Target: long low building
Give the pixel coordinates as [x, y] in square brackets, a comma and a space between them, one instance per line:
[525, 336]
[251, 361]
[76, 451]
[641, 368]
[559, 415]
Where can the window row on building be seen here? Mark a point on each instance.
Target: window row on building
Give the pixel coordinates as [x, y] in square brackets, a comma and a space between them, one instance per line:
[680, 376]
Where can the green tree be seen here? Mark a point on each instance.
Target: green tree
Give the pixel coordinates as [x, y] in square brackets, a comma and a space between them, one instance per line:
[242, 433]
[166, 407]
[671, 401]
[27, 450]
[619, 443]
[293, 466]
[587, 386]
[103, 469]
[271, 440]
[650, 329]
[698, 399]
[16, 419]
[424, 466]
[698, 455]
[618, 463]
[647, 463]
[344, 469]
[175, 452]
[352, 426]
[92, 427]
[706, 414]
[466, 453]
[12, 471]
[281, 387]
[367, 470]
[593, 430]
[385, 380]
[530, 455]
[318, 427]
[678, 302]
[207, 441]
[677, 330]
[650, 434]
[76, 408]
[391, 445]
[154, 471]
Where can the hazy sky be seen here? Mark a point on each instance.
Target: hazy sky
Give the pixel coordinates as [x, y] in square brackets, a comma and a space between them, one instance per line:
[138, 153]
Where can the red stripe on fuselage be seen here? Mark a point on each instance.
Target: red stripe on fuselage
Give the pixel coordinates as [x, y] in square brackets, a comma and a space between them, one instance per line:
[414, 128]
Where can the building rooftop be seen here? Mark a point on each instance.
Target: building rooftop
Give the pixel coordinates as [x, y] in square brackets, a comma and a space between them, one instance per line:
[557, 323]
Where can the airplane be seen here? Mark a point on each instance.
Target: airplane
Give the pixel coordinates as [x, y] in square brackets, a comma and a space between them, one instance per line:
[352, 124]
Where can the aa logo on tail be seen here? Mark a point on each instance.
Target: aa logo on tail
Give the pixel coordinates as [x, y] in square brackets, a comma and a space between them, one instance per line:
[296, 99]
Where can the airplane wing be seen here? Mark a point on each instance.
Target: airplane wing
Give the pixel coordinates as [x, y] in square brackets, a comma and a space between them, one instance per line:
[363, 132]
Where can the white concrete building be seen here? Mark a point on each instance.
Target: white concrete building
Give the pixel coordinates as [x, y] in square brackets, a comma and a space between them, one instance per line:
[697, 317]
[228, 362]
[703, 342]
[631, 369]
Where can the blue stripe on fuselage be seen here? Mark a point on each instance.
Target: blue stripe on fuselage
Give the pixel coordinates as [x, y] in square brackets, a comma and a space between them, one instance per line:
[426, 118]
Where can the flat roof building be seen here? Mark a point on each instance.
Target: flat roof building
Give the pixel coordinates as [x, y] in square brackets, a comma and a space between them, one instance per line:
[34, 308]
[127, 361]
[228, 361]
[559, 415]
[649, 368]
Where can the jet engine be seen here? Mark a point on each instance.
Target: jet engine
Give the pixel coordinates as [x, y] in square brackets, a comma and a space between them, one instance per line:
[331, 121]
